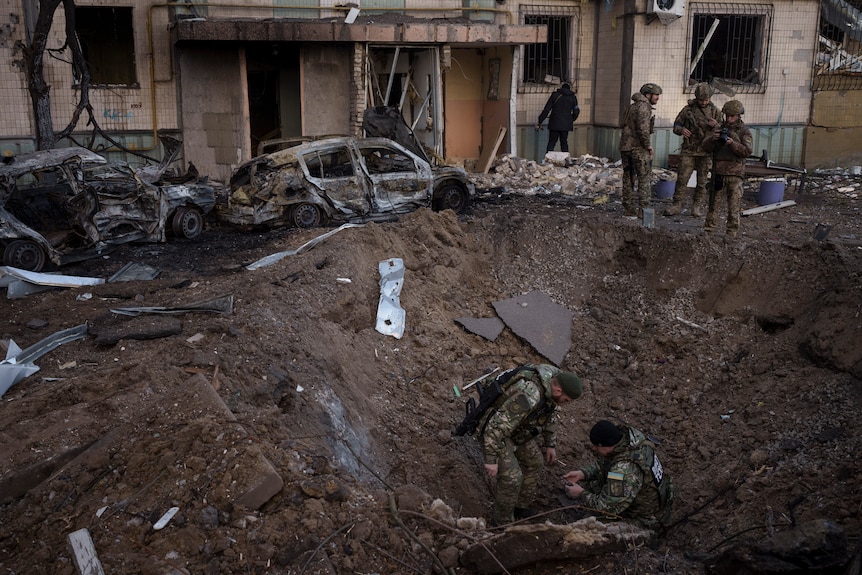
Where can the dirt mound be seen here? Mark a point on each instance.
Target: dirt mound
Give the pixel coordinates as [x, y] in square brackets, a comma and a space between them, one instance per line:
[294, 438]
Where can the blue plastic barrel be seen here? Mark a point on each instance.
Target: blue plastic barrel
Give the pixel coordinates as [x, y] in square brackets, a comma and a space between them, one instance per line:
[771, 191]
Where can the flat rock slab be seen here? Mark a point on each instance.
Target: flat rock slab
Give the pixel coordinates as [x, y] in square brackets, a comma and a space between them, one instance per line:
[487, 327]
[110, 330]
[545, 325]
[523, 545]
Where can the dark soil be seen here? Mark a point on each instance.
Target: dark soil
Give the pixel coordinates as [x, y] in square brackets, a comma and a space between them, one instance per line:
[744, 356]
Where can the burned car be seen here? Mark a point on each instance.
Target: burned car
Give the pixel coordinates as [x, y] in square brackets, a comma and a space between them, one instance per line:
[339, 180]
[71, 204]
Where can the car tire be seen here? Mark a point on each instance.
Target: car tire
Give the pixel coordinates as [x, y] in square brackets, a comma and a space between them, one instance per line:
[305, 216]
[25, 255]
[187, 223]
[451, 196]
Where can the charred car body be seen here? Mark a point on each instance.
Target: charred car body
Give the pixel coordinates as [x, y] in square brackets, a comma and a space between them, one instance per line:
[341, 179]
[70, 204]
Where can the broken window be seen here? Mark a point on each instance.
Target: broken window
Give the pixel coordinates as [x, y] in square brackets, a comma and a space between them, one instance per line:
[551, 62]
[329, 163]
[385, 160]
[839, 55]
[108, 42]
[552, 58]
[729, 44]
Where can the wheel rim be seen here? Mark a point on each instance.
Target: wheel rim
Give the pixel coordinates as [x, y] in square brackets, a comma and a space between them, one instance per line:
[187, 223]
[452, 199]
[25, 255]
[191, 224]
[306, 216]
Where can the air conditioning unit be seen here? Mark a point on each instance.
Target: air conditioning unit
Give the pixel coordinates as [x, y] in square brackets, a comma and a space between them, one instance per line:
[666, 10]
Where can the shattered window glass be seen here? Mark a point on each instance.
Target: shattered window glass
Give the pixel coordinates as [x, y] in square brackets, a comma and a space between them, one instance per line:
[332, 163]
[385, 160]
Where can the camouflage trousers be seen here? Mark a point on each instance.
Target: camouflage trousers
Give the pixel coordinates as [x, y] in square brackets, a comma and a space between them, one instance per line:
[517, 479]
[731, 190]
[636, 164]
[687, 165]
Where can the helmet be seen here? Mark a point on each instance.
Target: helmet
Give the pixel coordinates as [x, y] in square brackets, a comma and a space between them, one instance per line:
[650, 88]
[702, 90]
[733, 108]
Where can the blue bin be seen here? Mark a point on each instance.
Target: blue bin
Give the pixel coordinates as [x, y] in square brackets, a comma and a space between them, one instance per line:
[771, 191]
[664, 189]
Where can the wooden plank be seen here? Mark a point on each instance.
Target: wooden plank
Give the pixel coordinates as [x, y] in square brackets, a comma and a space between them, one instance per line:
[488, 156]
[84, 553]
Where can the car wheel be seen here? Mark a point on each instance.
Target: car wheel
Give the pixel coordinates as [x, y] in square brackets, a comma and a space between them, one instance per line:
[187, 223]
[25, 255]
[305, 216]
[451, 196]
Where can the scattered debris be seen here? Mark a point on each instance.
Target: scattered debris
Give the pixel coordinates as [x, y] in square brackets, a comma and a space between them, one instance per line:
[390, 314]
[768, 208]
[84, 553]
[271, 259]
[19, 363]
[164, 519]
[545, 325]
[487, 327]
[20, 283]
[222, 304]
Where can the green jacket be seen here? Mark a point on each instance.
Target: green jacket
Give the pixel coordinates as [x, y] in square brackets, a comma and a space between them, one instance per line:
[524, 412]
[630, 482]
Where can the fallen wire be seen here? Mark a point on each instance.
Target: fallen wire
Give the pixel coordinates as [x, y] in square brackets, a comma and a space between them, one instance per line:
[392, 557]
[393, 508]
[363, 464]
[324, 542]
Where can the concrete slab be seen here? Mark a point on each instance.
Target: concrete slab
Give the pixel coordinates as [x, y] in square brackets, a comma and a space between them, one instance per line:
[487, 327]
[545, 325]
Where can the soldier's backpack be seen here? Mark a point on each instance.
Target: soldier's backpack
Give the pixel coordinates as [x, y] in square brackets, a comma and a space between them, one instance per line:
[489, 393]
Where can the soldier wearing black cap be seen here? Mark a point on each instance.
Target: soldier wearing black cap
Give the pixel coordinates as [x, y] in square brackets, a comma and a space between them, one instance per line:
[628, 482]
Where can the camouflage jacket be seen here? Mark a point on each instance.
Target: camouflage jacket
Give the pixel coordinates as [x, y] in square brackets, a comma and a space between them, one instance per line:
[729, 159]
[524, 411]
[634, 485]
[637, 125]
[696, 120]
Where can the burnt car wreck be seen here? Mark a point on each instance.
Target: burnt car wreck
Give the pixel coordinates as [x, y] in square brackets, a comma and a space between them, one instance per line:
[71, 204]
[341, 179]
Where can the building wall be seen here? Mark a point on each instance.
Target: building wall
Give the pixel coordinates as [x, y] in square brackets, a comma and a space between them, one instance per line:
[214, 108]
[326, 89]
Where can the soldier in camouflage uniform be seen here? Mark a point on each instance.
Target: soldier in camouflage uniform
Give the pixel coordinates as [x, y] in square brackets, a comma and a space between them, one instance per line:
[697, 119]
[636, 149]
[730, 145]
[627, 482]
[524, 416]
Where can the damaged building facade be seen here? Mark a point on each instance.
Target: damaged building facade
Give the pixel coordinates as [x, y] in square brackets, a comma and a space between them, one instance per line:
[469, 77]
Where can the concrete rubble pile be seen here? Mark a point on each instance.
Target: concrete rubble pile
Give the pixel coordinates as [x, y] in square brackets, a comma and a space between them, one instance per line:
[583, 176]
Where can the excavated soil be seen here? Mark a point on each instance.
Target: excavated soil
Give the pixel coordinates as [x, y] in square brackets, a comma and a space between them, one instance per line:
[743, 356]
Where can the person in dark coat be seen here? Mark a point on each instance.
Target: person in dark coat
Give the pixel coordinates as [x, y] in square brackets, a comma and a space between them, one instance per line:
[563, 109]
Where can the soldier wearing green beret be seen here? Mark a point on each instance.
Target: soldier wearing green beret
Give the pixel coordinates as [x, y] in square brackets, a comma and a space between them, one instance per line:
[627, 482]
[515, 430]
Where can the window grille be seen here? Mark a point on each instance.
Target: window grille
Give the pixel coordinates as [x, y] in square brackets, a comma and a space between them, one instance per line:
[553, 58]
[729, 44]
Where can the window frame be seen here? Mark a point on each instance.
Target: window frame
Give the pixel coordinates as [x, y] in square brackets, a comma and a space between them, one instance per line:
[760, 47]
[112, 78]
[572, 47]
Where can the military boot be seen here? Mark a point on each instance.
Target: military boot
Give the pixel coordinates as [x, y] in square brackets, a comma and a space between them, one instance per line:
[674, 209]
[697, 205]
